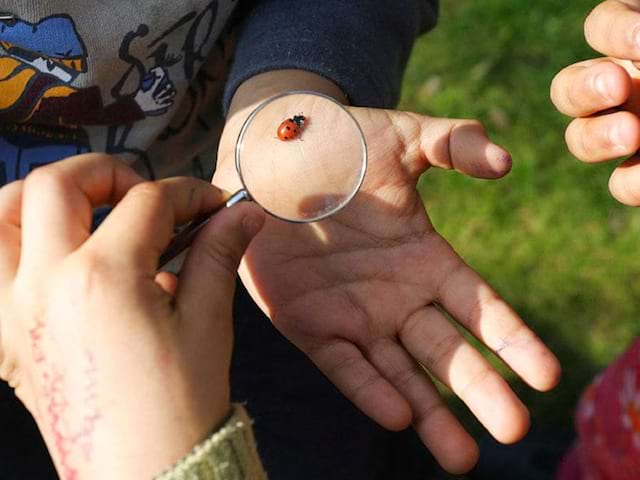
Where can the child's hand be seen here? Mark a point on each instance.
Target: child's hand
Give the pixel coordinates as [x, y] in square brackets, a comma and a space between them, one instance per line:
[125, 371]
[604, 96]
[364, 293]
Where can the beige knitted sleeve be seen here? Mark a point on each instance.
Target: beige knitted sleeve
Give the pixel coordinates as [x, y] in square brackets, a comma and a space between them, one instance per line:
[229, 454]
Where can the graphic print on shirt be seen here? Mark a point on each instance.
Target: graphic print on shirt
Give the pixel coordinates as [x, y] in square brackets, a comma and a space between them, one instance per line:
[43, 111]
[182, 48]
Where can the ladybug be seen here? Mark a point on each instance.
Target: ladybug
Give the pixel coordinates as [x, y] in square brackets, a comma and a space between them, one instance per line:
[291, 128]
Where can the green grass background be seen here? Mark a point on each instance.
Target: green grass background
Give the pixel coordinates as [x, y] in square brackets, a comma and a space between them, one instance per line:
[549, 237]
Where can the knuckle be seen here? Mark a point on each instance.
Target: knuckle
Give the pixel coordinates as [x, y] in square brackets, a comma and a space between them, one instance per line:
[151, 193]
[489, 301]
[349, 362]
[443, 351]
[45, 178]
[358, 369]
[425, 414]
[404, 377]
[476, 379]
[515, 335]
[221, 254]
[152, 190]
[450, 275]
[364, 384]
[90, 277]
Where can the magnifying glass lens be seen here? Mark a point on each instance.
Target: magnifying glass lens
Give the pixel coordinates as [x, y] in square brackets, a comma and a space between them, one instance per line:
[301, 156]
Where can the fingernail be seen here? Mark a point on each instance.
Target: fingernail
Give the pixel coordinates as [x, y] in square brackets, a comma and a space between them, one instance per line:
[601, 86]
[499, 159]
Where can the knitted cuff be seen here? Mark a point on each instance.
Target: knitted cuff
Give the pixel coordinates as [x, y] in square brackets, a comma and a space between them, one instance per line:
[229, 454]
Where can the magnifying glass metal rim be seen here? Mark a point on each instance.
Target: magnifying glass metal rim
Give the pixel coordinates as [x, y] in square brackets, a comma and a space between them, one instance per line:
[245, 193]
[183, 240]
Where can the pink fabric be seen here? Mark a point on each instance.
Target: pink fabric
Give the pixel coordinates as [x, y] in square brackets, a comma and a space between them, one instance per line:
[570, 467]
[608, 425]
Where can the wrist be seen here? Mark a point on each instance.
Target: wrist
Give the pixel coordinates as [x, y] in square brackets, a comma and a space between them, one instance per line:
[266, 85]
[137, 438]
[248, 96]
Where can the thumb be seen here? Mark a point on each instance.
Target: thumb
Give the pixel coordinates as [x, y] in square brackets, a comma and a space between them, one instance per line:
[207, 279]
[462, 145]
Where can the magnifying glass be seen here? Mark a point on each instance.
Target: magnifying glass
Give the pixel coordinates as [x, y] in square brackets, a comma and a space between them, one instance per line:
[301, 156]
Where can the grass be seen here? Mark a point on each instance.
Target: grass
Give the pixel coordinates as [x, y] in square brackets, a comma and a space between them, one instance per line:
[549, 237]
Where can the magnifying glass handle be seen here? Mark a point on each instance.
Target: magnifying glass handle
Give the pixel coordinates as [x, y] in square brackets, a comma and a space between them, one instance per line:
[184, 239]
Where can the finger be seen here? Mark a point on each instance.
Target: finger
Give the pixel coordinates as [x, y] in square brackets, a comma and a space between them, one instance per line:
[613, 28]
[604, 138]
[167, 92]
[343, 363]
[462, 145]
[11, 203]
[625, 182]
[141, 226]
[473, 303]
[444, 352]
[10, 220]
[208, 277]
[168, 282]
[9, 253]
[423, 142]
[457, 452]
[58, 202]
[590, 87]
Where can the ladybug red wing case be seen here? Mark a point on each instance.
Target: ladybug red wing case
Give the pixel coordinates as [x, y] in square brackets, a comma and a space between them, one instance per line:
[291, 128]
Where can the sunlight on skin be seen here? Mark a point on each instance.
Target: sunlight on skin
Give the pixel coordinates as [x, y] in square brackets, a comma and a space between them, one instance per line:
[361, 300]
[320, 234]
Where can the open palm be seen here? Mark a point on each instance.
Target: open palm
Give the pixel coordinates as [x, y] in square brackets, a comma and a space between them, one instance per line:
[364, 293]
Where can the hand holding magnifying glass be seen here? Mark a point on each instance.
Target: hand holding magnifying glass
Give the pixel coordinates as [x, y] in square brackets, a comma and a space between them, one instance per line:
[300, 167]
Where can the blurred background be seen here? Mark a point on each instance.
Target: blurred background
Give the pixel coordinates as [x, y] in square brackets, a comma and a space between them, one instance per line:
[549, 237]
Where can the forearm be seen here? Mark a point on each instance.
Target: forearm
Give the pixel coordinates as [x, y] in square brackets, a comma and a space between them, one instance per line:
[229, 454]
[93, 441]
[360, 45]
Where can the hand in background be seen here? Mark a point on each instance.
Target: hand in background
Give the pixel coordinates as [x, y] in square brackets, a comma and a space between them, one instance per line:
[124, 370]
[603, 95]
[364, 293]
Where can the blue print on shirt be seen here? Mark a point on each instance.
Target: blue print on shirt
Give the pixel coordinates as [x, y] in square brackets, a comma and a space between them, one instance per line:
[42, 113]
